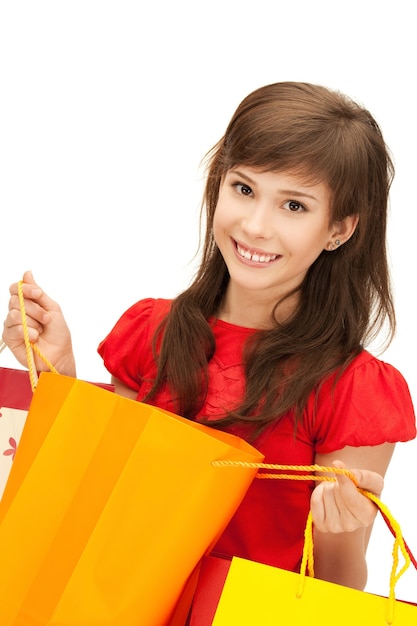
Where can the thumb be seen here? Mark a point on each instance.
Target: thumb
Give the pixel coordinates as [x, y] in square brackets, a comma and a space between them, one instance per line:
[369, 481]
[28, 278]
[365, 479]
[343, 479]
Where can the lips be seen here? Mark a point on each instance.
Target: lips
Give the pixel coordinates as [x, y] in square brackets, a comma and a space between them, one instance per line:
[255, 256]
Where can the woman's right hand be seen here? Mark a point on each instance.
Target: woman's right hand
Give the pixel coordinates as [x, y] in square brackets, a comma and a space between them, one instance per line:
[46, 327]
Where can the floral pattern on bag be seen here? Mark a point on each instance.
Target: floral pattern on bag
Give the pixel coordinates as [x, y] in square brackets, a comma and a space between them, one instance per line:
[11, 427]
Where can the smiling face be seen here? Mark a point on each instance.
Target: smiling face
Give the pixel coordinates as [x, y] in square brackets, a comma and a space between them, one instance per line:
[270, 227]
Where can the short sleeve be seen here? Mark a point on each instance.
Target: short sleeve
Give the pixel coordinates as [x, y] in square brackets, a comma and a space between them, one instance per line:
[369, 404]
[128, 345]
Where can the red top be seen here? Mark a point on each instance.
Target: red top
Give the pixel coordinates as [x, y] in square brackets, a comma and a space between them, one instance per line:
[370, 405]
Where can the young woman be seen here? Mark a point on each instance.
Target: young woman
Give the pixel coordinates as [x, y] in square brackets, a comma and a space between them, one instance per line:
[269, 340]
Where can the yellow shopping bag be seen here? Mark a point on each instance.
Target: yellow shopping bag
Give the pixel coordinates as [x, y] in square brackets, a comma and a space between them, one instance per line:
[254, 593]
[261, 594]
[109, 506]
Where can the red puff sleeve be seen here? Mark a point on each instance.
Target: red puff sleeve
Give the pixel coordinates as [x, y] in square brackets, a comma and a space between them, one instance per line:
[370, 404]
[127, 348]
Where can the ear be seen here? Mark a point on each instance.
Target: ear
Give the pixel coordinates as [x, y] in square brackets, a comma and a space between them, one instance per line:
[342, 231]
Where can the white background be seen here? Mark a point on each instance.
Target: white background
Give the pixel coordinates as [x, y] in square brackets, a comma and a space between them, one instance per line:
[106, 110]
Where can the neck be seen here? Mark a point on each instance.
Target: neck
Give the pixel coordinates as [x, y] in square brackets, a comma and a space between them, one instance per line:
[250, 313]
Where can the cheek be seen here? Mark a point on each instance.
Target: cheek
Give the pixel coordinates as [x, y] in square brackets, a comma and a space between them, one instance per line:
[217, 228]
[221, 219]
[308, 242]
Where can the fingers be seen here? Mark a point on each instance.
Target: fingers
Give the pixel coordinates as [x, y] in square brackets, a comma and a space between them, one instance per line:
[339, 507]
[332, 513]
[32, 292]
[13, 326]
[29, 286]
[36, 305]
[33, 309]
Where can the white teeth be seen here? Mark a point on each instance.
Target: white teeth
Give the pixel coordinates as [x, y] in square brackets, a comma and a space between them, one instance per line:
[257, 258]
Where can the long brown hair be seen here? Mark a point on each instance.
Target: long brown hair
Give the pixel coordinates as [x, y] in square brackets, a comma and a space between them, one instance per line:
[345, 298]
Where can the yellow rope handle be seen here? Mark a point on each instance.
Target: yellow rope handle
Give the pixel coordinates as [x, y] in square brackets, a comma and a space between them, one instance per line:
[31, 347]
[293, 468]
[398, 547]
[307, 561]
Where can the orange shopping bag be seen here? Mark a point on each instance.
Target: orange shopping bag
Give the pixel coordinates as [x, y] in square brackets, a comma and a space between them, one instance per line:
[15, 397]
[254, 593]
[109, 507]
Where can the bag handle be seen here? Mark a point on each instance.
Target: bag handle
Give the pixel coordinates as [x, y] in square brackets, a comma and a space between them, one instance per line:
[307, 562]
[31, 348]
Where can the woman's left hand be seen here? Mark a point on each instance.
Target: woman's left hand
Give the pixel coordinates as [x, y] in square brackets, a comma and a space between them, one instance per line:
[339, 507]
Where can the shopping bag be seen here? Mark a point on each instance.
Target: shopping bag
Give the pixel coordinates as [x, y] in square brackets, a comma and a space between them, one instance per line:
[261, 594]
[15, 397]
[254, 593]
[109, 507]
[212, 576]
[16, 393]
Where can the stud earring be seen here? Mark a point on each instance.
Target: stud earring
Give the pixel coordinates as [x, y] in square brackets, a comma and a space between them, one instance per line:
[333, 245]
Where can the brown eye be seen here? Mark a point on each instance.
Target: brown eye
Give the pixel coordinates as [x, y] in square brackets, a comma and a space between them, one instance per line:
[294, 206]
[243, 189]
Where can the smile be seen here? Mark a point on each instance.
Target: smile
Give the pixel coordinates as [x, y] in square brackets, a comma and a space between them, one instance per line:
[256, 257]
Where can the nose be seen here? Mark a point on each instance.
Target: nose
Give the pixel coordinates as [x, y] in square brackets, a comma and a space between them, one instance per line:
[258, 221]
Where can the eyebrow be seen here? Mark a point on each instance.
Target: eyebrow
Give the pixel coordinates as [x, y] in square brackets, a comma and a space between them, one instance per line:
[287, 192]
[294, 192]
